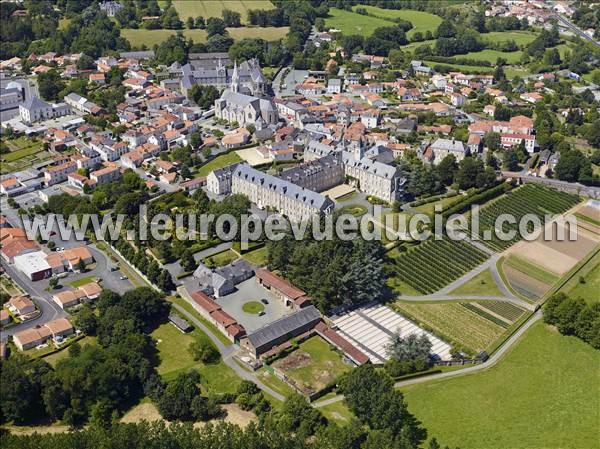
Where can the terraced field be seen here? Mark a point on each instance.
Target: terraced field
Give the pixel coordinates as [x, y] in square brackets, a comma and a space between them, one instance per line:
[529, 199]
[432, 265]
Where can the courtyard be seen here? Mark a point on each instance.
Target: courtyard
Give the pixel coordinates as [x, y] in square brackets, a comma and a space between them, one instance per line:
[242, 305]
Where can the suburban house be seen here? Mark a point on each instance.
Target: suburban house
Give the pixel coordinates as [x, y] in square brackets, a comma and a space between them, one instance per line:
[20, 306]
[55, 329]
[70, 298]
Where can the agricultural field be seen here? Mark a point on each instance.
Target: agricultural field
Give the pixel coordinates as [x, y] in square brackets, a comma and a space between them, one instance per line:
[218, 162]
[482, 284]
[421, 21]
[212, 8]
[466, 324]
[528, 199]
[313, 365]
[523, 402]
[433, 264]
[139, 36]
[352, 23]
[525, 280]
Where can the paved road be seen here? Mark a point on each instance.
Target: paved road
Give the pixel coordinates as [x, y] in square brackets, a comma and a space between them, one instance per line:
[576, 29]
[493, 360]
[50, 310]
[227, 352]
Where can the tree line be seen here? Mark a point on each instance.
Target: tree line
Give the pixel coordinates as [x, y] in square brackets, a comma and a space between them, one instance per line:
[574, 316]
[382, 420]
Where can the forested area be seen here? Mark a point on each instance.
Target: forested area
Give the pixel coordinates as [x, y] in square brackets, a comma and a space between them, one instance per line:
[573, 316]
[333, 272]
[382, 421]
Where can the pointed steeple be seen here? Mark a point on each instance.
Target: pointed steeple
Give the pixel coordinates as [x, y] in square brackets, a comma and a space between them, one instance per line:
[235, 79]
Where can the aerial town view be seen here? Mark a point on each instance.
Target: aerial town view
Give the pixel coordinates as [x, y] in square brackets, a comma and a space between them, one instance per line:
[300, 224]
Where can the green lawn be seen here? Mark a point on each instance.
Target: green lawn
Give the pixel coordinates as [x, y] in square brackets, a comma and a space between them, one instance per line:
[492, 55]
[357, 210]
[218, 162]
[520, 37]
[138, 37]
[257, 257]
[206, 9]
[482, 284]
[322, 365]
[590, 288]
[188, 307]
[220, 259]
[539, 396]
[253, 307]
[53, 359]
[421, 21]
[351, 23]
[338, 412]
[461, 67]
[429, 208]
[82, 281]
[174, 357]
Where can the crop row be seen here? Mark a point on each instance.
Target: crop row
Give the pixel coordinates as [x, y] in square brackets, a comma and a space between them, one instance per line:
[529, 199]
[434, 264]
[503, 308]
[484, 314]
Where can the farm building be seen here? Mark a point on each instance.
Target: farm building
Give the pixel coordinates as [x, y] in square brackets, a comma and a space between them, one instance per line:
[281, 330]
[290, 296]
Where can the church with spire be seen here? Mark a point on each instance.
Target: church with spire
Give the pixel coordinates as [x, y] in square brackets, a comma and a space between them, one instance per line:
[240, 104]
[249, 76]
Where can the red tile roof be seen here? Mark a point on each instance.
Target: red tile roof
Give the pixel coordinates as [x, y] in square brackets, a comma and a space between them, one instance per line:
[271, 280]
[349, 349]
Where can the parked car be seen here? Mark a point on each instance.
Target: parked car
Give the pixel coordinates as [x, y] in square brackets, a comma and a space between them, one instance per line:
[261, 313]
[264, 301]
[123, 278]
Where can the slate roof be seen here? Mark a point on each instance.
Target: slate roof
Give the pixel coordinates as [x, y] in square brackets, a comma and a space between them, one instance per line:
[284, 326]
[35, 103]
[373, 167]
[283, 187]
[455, 146]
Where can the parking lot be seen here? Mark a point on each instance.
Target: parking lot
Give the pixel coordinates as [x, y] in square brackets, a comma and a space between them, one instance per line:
[250, 290]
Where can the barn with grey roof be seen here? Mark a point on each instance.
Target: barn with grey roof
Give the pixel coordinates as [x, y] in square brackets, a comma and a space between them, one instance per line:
[281, 330]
